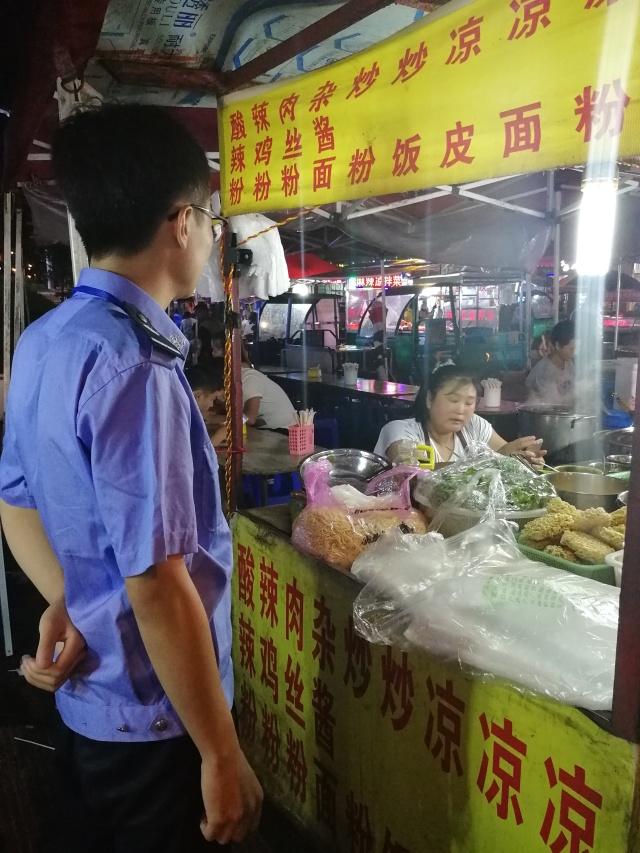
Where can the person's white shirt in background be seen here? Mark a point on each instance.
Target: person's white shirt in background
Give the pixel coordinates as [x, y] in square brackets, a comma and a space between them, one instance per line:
[276, 409]
[478, 430]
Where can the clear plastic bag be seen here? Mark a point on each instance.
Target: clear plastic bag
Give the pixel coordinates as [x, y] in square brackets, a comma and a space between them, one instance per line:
[339, 522]
[474, 598]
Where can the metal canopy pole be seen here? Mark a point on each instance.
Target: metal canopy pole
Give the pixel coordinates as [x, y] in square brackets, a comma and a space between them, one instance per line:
[618, 288]
[556, 256]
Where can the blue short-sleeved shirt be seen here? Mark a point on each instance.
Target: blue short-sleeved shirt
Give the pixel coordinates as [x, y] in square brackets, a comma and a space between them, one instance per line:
[104, 438]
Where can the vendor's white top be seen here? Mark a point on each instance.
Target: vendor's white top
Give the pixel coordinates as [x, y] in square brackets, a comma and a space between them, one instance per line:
[477, 431]
[550, 384]
[276, 409]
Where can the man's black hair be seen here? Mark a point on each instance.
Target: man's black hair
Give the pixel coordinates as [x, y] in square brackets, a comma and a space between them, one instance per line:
[209, 379]
[121, 170]
[563, 333]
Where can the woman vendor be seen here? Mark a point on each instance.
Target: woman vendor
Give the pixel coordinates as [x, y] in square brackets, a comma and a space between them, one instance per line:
[444, 417]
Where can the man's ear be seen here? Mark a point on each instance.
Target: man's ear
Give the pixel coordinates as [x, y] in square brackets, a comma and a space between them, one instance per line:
[182, 225]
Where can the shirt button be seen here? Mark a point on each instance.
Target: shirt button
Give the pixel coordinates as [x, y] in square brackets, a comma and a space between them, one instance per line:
[160, 725]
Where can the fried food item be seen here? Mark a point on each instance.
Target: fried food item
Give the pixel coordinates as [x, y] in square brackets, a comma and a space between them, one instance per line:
[558, 505]
[618, 517]
[586, 519]
[562, 552]
[540, 544]
[549, 527]
[610, 537]
[587, 548]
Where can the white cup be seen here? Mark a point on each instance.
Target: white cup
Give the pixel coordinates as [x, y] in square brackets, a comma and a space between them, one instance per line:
[492, 397]
[350, 372]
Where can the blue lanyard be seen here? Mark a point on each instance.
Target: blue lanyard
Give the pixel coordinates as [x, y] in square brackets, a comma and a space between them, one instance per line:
[99, 294]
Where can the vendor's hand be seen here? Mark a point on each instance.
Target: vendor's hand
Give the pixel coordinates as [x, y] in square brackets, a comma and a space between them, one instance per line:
[57, 632]
[529, 446]
[219, 437]
[232, 798]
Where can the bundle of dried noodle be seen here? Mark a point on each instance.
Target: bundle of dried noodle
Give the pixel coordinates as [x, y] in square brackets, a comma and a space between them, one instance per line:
[587, 548]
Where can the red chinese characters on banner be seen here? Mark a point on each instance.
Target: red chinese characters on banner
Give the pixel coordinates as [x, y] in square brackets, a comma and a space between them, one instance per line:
[269, 669]
[358, 654]
[322, 704]
[324, 635]
[575, 814]
[235, 197]
[398, 689]
[295, 688]
[364, 80]
[326, 788]
[601, 111]
[325, 134]
[261, 187]
[530, 14]
[411, 63]
[322, 172]
[322, 96]
[361, 164]
[294, 613]
[268, 590]
[287, 108]
[458, 142]
[237, 158]
[405, 155]
[444, 727]
[246, 564]
[594, 4]
[263, 151]
[260, 117]
[238, 129]
[247, 639]
[270, 739]
[290, 180]
[466, 41]
[247, 714]
[503, 769]
[292, 144]
[522, 132]
[359, 826]
[390, 846]
[296, 767]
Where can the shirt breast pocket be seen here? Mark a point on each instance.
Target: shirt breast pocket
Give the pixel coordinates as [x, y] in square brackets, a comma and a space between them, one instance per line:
[210, 509]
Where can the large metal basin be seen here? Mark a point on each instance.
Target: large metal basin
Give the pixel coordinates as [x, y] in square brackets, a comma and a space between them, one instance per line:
[587, 490]
[558, 427]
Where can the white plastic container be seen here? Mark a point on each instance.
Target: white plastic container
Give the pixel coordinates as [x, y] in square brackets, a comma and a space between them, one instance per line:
[350, 372]
[615, 561]
[626, 376]
[492, 393]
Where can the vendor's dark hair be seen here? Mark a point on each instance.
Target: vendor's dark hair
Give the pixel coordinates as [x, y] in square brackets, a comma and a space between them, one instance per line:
[207, 379]
[563, 333]
[438, 379]
[121, 169]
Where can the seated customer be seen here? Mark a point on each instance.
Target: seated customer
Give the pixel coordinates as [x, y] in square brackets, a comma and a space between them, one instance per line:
[444, 417]
[552, 380]
[265, 403]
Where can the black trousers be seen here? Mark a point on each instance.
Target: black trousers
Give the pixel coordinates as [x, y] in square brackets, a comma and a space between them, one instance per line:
[127, 797]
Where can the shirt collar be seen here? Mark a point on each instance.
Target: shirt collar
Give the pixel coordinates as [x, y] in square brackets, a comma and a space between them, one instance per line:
[126, 291]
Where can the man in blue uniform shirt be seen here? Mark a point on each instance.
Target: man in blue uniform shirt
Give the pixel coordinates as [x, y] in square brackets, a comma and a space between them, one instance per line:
[110, 502]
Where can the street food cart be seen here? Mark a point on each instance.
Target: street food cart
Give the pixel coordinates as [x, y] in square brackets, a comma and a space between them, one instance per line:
[386, 748]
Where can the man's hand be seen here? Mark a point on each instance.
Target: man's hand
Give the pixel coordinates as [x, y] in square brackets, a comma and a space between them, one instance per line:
[232, 798]
[47, 671]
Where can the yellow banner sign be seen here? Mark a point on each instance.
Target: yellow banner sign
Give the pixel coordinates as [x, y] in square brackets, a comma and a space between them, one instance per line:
[375, 749]
[495, 87]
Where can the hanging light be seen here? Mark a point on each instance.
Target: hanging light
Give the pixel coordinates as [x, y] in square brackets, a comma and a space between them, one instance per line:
[597, 219]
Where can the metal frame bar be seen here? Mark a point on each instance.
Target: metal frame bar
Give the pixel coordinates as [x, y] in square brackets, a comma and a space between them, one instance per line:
[631, 185]
[505, 205]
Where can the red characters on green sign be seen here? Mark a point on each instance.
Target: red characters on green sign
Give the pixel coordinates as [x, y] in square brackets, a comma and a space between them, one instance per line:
[575, 814]
[444, 725]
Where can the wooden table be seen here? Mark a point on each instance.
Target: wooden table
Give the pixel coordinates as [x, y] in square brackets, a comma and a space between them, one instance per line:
[266, 453]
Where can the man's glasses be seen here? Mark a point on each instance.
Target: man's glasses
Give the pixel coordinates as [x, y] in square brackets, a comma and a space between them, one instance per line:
[215, 218]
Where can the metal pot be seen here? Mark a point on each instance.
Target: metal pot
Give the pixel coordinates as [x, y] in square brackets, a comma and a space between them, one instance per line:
[586, 490]
[616, 442]
[557, 426]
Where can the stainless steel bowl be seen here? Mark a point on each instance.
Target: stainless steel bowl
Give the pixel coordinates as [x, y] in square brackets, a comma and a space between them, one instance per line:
[623, 497]
[349, 466]
[586, 490]
[621, 461]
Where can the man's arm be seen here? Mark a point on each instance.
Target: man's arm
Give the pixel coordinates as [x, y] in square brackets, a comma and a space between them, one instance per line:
[252, 410]
[30, 547]
[177, 636]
